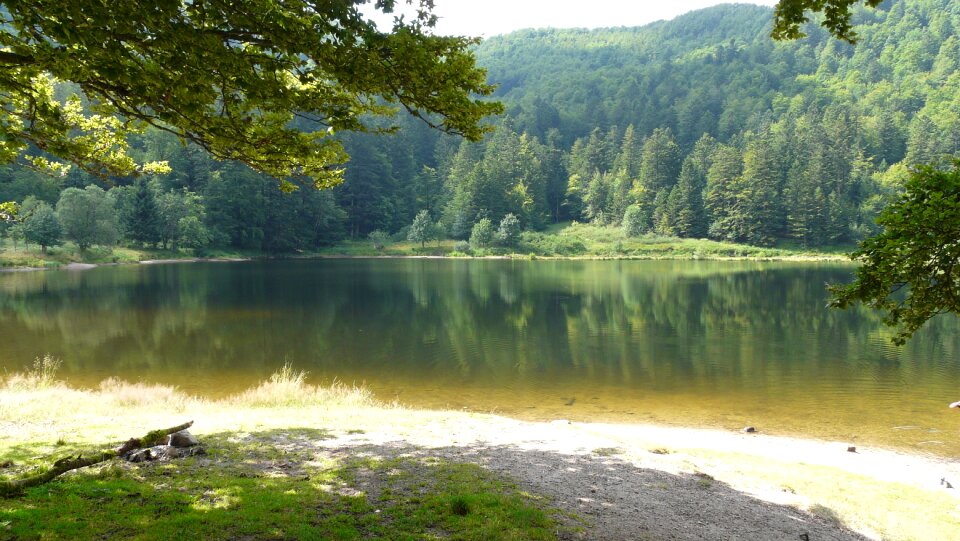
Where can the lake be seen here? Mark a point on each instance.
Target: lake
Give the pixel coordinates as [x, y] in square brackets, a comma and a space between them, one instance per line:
[699, 343]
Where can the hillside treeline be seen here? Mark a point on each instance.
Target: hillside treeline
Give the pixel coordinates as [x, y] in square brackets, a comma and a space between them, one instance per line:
[697, 127]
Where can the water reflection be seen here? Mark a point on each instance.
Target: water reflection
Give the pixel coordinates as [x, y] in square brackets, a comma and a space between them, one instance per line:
[715, 343]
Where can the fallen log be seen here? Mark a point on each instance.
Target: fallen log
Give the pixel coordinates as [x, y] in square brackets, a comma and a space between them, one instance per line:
[15, 486]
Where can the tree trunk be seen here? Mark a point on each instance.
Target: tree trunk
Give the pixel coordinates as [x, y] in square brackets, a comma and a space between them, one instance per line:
[62, 466]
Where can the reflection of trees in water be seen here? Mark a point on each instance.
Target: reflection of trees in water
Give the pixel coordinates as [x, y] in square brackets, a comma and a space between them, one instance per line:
[89, 317]
[658, 323]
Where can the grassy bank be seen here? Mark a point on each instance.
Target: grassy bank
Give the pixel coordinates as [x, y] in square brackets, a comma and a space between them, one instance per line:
[574, 240]
[286, 459]
[564, 240]
[263, 477]
[21, 256]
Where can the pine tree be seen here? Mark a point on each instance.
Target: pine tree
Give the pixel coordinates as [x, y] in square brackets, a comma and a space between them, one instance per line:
[556, 179]
[661, 161]
[598, 192]
[620, 196]
[923, 145]
[756, 195]
[629, 158]
[658, 173]
[662, 223]
[143, 222]
[685, 204]
[725, 169]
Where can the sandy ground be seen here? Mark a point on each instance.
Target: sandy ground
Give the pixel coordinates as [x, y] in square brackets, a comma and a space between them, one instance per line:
[617, 480]
[623, 481]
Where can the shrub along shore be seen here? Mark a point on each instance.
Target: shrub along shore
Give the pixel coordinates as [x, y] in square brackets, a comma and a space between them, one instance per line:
[564, 241]
[289, 459]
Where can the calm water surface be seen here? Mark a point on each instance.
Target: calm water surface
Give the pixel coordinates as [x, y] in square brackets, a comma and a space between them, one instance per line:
[722, 344]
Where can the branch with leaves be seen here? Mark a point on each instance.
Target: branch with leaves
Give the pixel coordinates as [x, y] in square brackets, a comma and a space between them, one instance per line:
[8, 211]
[264, 82]
[790, 15]
[911, 270]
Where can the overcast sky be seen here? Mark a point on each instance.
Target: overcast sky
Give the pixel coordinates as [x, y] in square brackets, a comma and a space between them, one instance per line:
[491, 17]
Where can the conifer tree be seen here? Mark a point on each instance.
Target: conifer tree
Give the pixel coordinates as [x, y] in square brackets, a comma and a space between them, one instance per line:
[142, 224]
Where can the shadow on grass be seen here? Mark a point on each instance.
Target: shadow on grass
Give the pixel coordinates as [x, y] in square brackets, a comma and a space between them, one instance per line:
[618, 500]
[304, 484]
[281, 484]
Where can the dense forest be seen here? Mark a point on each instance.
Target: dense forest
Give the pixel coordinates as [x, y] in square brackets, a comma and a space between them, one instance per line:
[698, 127]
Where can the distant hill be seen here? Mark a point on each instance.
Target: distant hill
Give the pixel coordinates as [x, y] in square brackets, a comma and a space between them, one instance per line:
[721, 63]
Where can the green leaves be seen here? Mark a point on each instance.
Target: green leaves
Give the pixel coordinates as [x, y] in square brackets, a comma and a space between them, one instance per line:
[911, 270]
[791, 14]
[266, 83]
[8, 211]
[420, 229]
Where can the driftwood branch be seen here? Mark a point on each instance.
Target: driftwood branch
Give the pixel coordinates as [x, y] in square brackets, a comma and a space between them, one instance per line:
[62, 466]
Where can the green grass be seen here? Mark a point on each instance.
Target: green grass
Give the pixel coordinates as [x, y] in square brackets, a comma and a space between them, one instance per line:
[562, 240]
[56, 256]
[265, 475]
[247, 488]
[575, 240]
[364, 248]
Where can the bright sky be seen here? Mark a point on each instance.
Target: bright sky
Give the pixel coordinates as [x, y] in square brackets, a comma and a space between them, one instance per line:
[491, 17]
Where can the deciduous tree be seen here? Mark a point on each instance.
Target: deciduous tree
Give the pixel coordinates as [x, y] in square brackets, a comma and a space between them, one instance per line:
[911, 270]
[509, 232]
[421, 230]
[482, 234]
[42, 227]
[87, 216]
[240, 79]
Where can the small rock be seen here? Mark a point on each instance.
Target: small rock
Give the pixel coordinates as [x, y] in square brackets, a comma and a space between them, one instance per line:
[851, 449]
[163, 452]
[140, 455]
[196, 450]
[748, 430]
[183, 439]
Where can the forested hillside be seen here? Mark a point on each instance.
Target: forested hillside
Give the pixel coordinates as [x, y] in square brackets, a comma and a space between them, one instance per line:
[697, 127]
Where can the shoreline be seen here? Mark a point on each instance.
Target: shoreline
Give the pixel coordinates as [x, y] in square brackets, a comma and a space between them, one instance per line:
[615, 474]
[77, 266]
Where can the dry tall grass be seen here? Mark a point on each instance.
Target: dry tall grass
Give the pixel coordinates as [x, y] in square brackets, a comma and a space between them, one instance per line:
[288, 387]
[38, 392]
[41, 376]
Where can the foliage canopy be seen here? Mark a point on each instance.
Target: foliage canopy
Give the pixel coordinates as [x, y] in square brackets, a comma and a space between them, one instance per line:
[790, 15]
[911, 270]
[264, 82]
